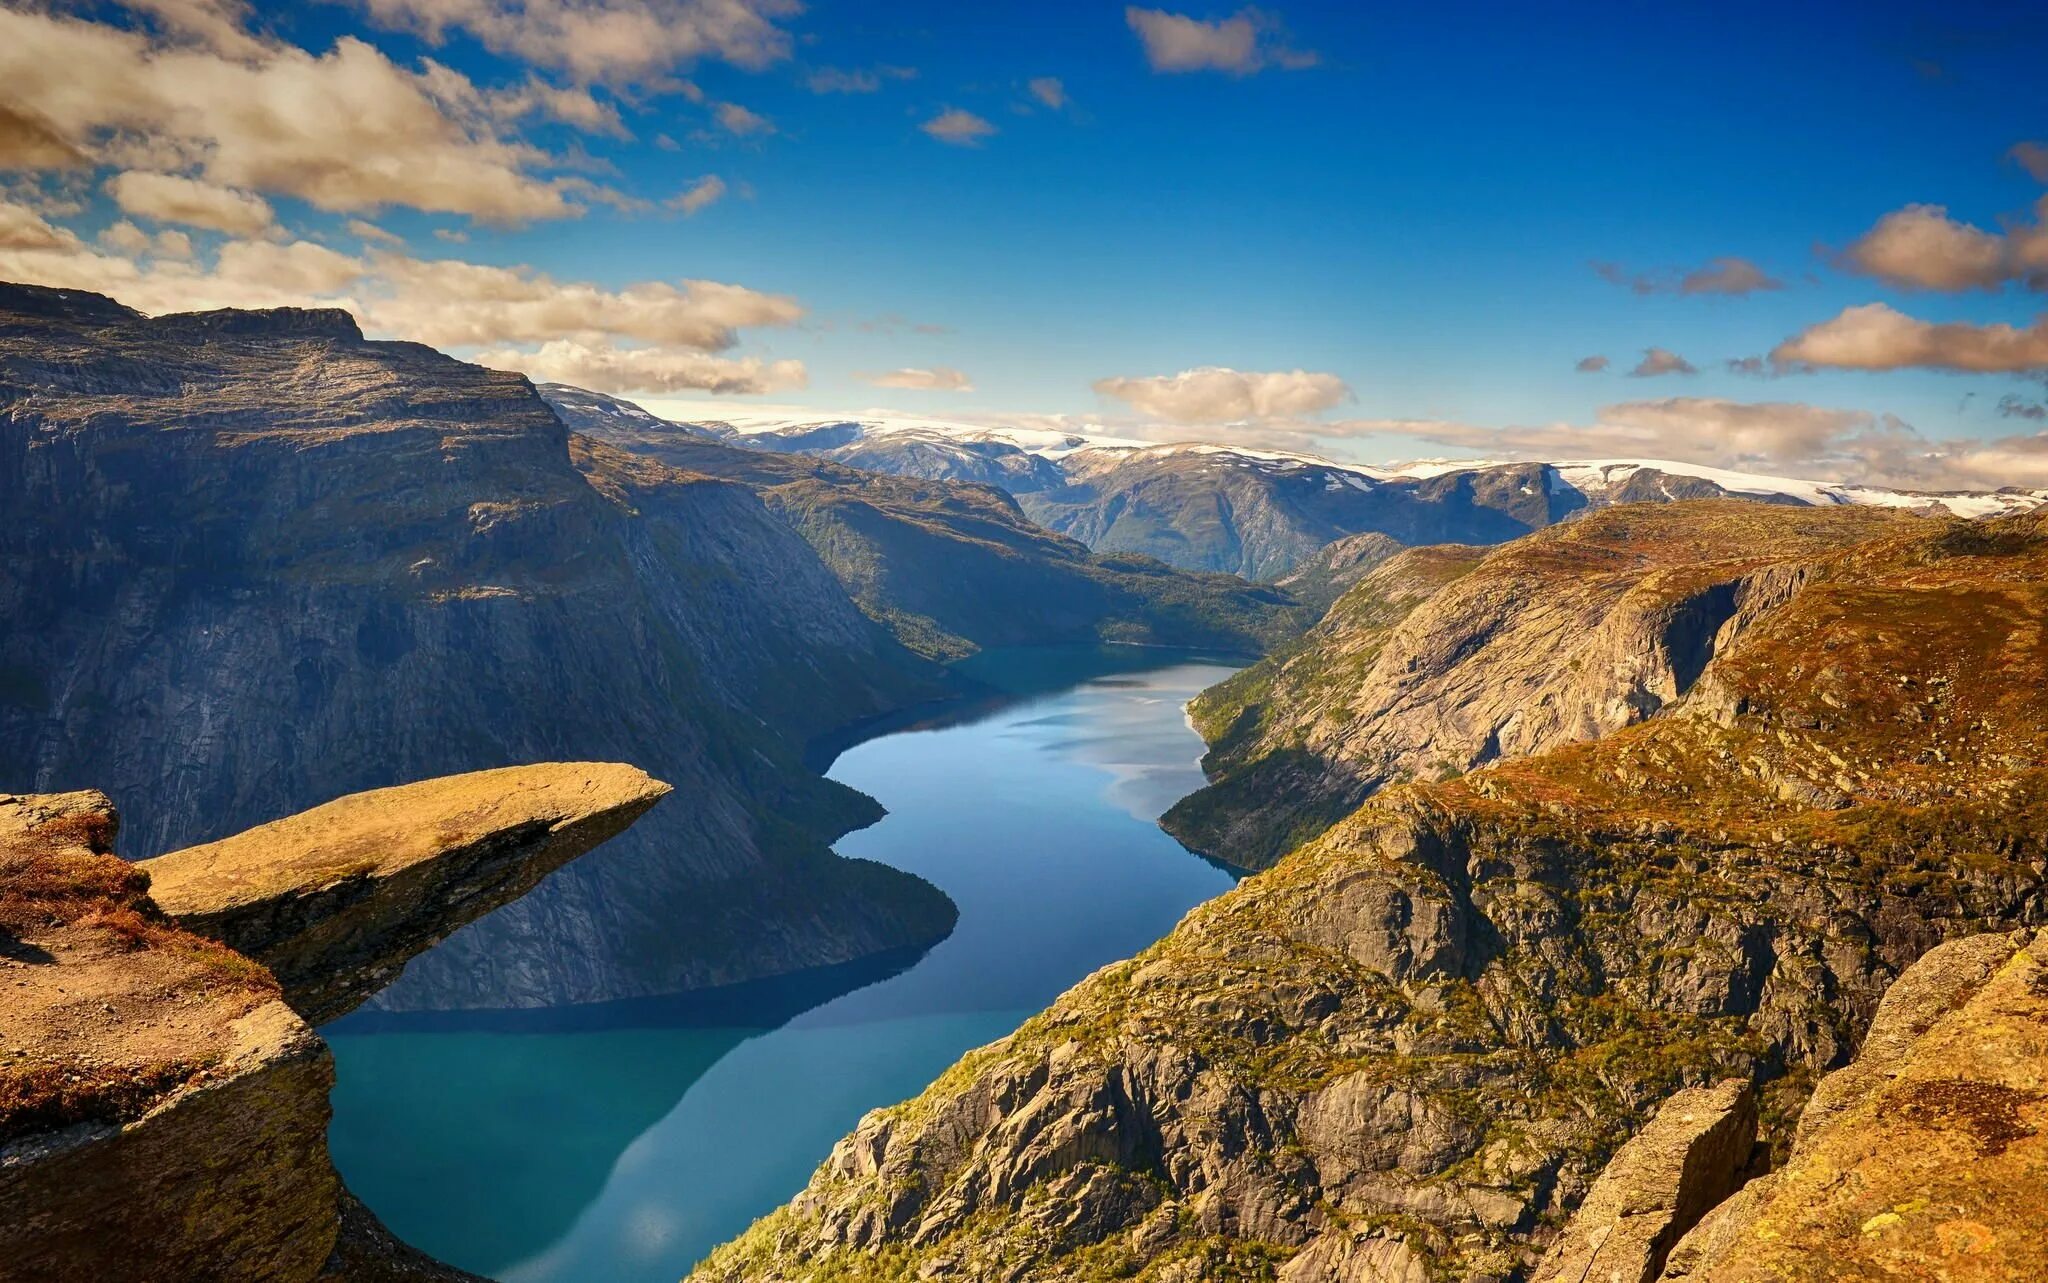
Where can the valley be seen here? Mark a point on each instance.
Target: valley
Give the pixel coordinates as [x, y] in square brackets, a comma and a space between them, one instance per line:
[626, 1143]
[1604, 831]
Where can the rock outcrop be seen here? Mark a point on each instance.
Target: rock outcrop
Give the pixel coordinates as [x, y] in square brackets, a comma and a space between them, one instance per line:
[253, 562]
[1444, 659]
[331, 900]
[1415, 1042]
[1689, 1157]
[163, 1098]
[1926, 1156]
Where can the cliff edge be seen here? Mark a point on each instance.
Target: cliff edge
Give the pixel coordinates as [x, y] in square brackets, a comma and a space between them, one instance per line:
[163, 1098]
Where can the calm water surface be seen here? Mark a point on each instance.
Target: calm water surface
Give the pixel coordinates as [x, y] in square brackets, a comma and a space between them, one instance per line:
[627, 1152]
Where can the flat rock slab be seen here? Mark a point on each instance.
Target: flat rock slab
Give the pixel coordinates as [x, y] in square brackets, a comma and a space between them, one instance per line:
[335, 900]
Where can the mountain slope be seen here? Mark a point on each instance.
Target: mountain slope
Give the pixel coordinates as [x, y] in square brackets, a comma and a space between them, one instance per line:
[1444, 659]
[1406, 1049]
[255, 561]
[1260, 513]
[953, 566]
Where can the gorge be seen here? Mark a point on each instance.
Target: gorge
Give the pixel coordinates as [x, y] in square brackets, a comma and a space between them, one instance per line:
[625, 1145]
[1573, 853]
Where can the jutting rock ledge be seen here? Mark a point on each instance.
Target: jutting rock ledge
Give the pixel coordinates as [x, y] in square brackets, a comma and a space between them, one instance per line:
[163, 1096]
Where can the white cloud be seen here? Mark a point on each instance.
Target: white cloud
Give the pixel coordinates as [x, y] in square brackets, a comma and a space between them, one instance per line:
[22, 228]
[741, 122]
[2032, 157]
[348, 130]
[1659, 361]
[606, 367]
[959, 127]
[1727, 275]
[1049, 90]
[1875, 336]
[702, 194]
[1921, 247]
[448, 303]
[1240, 45]
[835, 80]
[1216, 395]
[613, 41]
[939, 378]
[28, 141]
[126, 238]
[362, 229]
[170, 198]
[1592, 364]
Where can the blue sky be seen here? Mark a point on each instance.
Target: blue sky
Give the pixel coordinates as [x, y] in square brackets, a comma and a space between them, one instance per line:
[1409, 199]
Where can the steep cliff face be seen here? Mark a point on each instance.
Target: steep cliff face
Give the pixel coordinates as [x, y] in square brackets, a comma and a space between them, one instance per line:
[256, 562]
[163, 1101]
[1408, 1048]
[952, 567]
[1444, 659]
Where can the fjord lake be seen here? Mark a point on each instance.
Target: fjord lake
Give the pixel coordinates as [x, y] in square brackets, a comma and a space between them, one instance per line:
[624, 1144]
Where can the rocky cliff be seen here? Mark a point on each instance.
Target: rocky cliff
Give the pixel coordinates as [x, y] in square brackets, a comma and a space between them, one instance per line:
[254, 561]
[1443, 659]
[1409, 1048]
[948, 564]
[163, 1099]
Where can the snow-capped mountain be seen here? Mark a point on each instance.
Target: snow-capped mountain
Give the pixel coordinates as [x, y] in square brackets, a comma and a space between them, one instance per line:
[1260, 512]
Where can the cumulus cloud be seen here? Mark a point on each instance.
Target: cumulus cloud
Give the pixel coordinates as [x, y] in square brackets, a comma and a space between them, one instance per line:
[1049, 90]
[613, 41]
[1592, 364]
[1727, 275]
[1240, 45]
[2012, 407]
[448, 303]
[939, 378]
[959, 127]
[348, 130]
[1216, 395]
[703, 193]
[1921, 247]
[1658, 361]
[604, 367]
[172, 198]
[1875, 336]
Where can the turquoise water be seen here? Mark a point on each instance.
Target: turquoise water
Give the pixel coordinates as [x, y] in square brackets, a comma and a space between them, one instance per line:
[626, 1152]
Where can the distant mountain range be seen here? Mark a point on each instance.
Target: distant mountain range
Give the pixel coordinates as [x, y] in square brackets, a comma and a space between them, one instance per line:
[1262, 513]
